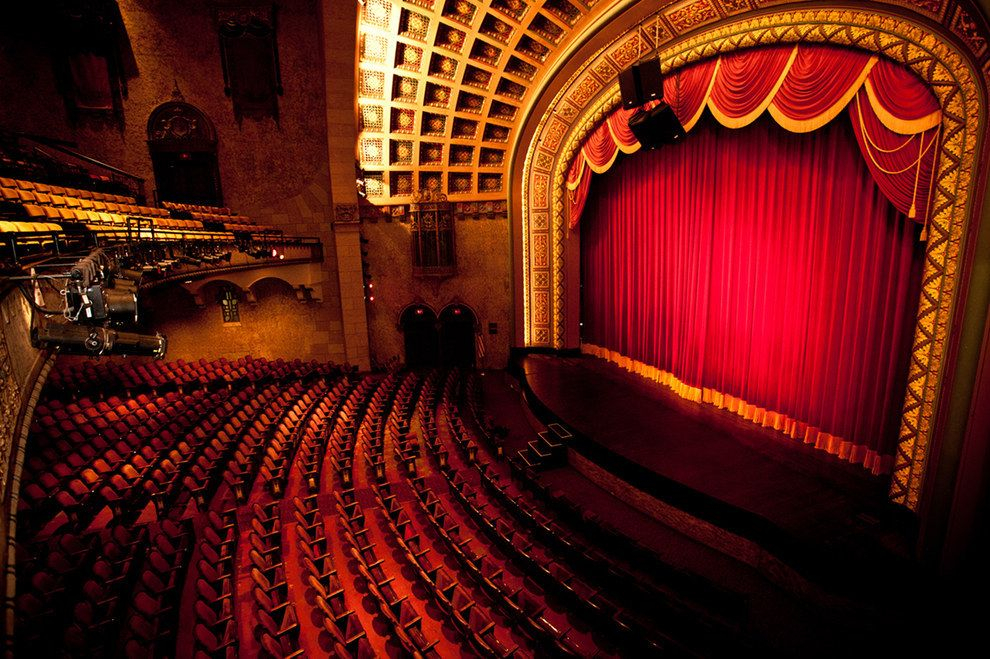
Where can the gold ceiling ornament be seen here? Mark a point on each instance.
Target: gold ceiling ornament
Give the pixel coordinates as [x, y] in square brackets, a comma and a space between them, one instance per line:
[897, 35]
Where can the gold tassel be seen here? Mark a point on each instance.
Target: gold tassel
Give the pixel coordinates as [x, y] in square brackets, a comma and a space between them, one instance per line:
[913, 211]
[924, 233]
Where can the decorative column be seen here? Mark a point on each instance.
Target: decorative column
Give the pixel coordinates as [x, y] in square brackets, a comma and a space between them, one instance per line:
[347, 238]
[340, 51]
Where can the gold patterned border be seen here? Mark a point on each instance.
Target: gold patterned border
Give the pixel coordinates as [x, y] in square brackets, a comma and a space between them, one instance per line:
[10, 404]
[952, 78]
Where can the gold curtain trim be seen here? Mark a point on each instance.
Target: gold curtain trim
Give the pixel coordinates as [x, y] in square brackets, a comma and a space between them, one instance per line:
[606, 166]
[870, 459]
[627, 149]
[574, 186]
[814, 123]
[690, 123]
[902, 126]
[747, 119]
[872, 146]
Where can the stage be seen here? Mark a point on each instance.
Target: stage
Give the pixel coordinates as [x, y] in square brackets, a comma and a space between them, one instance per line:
[827, 520]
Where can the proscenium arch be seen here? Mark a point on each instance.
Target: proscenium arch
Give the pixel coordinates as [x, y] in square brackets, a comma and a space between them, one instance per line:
[937, 58]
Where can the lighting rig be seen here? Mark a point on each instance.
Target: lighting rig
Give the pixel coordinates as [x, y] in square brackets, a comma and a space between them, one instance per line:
[99, 299]
[99, 293]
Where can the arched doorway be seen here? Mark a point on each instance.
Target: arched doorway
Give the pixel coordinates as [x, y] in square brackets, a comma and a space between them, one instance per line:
[183, 147]
[457, 330]
[422, 341]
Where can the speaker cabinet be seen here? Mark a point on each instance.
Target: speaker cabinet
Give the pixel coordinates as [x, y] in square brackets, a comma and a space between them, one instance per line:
[656, 126]
[629, 88]
[641, 83]
[650, 80]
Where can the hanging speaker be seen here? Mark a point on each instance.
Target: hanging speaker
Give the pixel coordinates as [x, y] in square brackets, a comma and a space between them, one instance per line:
[641, 83]
[650, 81]
[656, 126]
[629, 88]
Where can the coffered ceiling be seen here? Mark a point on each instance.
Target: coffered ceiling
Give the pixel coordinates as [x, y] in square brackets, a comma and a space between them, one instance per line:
[442, 86]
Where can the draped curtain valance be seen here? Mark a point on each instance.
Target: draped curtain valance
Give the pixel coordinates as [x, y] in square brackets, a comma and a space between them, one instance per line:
[894, 115]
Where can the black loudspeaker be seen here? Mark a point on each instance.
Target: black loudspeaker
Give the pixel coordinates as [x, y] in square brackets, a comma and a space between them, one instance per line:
[629, 88]
[650, 80]
[641, 83]
[656, 126]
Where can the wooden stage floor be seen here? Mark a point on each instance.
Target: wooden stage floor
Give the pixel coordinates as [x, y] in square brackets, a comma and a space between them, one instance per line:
[824, 517]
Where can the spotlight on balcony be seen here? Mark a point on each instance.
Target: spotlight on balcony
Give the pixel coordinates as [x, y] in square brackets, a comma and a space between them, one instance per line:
[96, 341]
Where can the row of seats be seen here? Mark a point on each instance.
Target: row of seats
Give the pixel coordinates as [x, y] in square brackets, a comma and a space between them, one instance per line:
[399, 612]
[220, 214]
[521, 600]
[32, 197]
[105, 458]
[89, 378]
[231, 222]
[79, 193]
[243, 467]
[217, 449]
[215, 628]
[39, 202]
[260, 517]
[110, 217]
[276, 626]
[289, 434]
[462, 603]
[31, 227]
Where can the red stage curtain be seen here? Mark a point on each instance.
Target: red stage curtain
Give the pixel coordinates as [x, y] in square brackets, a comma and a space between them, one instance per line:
[746, 83]
[791, 305]
[803, 87]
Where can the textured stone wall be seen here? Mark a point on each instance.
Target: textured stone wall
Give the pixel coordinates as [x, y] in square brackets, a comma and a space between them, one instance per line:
[309, 212]
[277, 325]
[176, 43]
[483, 282]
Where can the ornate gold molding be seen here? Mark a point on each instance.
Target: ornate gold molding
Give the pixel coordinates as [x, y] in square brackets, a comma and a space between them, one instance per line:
[935, 58]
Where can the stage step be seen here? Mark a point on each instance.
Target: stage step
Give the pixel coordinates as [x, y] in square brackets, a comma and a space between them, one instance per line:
[551, 450]
[562, 433]
[528, 461]
[540, 450]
